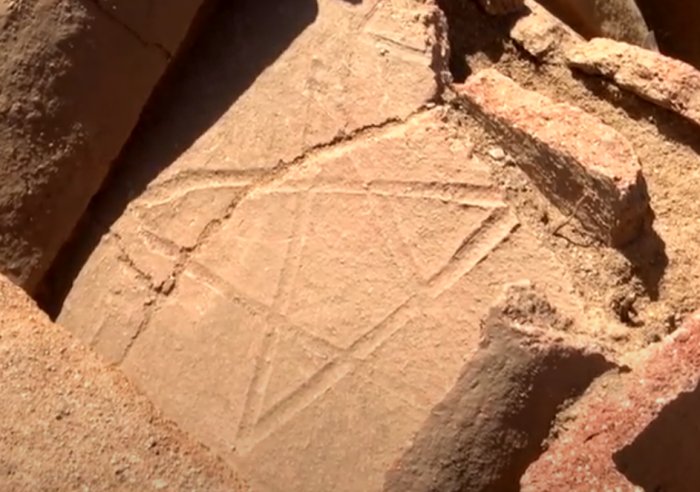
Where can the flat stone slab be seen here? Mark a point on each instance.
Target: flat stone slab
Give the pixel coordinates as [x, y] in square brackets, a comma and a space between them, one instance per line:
[583, 166]
[664, 81]
[71, 423]
[639, 430]
[317, 324]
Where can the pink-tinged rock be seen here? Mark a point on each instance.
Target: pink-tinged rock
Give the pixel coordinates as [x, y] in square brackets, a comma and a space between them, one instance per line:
[583, 166]
[639, 430]
[308, 335]
[665, 81]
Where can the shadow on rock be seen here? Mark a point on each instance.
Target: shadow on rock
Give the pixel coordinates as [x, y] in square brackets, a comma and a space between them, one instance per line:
[472, 31]
[664, 457]
[648, 257]
[675, 25]
[232, 46]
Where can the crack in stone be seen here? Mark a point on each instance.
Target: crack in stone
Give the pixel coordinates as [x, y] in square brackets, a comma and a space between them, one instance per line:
[213, 226]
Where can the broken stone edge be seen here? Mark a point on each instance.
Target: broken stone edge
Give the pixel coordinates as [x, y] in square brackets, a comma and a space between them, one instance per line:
[584, 167]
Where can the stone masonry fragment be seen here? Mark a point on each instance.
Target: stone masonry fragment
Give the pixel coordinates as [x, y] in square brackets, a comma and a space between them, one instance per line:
[307, 332]
[664, 81]
[639, 429]
[583, 166]
[542, 34]
[71, 423]
[491, 425]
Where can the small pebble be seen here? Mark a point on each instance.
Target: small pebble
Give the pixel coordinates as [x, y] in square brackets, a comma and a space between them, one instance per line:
[497, 153]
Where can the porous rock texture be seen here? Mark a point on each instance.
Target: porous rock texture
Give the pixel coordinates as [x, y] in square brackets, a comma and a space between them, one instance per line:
[75, 76]
[70, 423]
[636, 429]
[582, 165]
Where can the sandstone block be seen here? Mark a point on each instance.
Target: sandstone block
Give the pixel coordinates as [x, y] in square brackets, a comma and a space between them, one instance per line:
[74, 81]
[665, 81]
[71, 423]
[583, 166]
[639, 429]
[321, 319]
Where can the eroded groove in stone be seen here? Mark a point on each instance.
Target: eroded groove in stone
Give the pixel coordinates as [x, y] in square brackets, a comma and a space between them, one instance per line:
[667, 82]
[491, 425]
[583, 166]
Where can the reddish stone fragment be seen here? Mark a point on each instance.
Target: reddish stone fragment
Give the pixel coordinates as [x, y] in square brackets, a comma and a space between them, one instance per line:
[665, 81]
[583, 166]
[641, 430]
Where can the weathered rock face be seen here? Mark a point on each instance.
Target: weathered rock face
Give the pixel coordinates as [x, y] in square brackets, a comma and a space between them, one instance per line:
[71, 423]
[543, 35]
[308, 330]
[670, 83]
[615, 19]
[638, 429]
[75, 76]
[295, 316]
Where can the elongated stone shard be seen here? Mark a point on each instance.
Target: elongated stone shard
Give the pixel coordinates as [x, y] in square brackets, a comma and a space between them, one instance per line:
[664, 81]
[583, 166]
